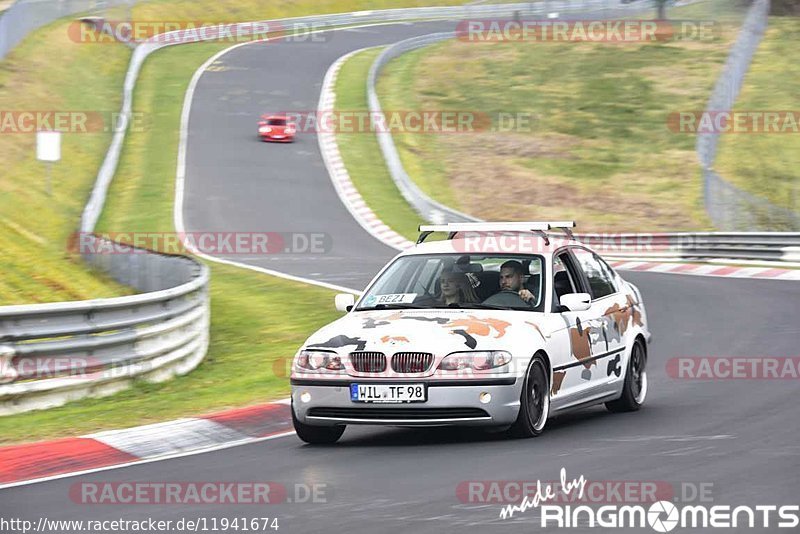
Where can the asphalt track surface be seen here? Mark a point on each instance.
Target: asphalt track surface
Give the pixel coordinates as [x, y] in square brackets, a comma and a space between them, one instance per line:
[740, 436]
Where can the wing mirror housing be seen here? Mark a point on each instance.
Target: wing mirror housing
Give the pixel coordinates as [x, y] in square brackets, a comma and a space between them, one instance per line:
[576, 302]
[344, 301]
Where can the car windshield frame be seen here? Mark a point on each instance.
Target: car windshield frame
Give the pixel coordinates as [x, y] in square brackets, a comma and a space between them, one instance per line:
[540, 306]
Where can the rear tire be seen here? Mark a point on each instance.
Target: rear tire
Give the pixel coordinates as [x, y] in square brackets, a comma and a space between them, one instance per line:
[317, 435]
[534, 405]
[634, 390]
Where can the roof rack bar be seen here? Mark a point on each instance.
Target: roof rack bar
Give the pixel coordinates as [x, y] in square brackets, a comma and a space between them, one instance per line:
[539, 227]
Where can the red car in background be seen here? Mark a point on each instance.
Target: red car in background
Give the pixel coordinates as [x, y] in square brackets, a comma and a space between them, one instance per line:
[277, 128]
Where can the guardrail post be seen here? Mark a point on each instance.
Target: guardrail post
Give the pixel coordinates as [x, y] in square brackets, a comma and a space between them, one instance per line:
[7, 371]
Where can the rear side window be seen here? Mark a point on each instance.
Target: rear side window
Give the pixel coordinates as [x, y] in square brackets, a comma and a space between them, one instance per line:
[601, 279]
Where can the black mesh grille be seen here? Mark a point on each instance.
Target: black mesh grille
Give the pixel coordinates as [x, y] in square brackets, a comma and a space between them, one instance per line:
[412, 362]
[368, 362]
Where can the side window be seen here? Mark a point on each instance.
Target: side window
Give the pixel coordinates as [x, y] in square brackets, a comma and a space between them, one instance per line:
[601, 279]
[563, 280]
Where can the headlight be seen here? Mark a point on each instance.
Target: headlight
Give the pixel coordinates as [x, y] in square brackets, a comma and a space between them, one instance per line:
[264, 129]
[478, 360]
[318, 360]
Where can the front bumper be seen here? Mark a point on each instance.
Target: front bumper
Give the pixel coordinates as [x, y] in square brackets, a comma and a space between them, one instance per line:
[447, 404]
[277, 139]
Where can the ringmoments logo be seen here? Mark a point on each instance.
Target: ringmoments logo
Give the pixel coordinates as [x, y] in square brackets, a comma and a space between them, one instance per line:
[661, 516]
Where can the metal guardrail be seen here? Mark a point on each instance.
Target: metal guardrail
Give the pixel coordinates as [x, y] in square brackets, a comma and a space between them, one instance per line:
[54, 353]
[429, 209]
[769, 247]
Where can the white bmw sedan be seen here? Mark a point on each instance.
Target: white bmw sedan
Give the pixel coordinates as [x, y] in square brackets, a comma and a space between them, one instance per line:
[500, 324]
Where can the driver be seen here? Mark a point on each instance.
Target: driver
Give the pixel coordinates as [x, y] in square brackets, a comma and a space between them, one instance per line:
[511, 280]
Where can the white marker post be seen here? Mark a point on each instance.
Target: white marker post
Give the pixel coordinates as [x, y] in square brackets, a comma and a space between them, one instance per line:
[48, 149]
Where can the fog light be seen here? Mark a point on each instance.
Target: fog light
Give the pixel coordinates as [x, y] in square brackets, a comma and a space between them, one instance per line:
[485, 397]
[305, 396]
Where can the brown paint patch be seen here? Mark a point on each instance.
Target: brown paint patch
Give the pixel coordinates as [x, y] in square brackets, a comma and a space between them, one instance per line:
[636, 315]
[481, 327]
[581, 347]
[558, 379]
[620, 317]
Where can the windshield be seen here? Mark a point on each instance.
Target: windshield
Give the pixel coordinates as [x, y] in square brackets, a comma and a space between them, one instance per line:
[499, 281]
[276, 122]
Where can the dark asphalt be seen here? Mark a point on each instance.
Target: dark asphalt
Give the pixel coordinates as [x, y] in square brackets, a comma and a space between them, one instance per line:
[234, 182]
[741, 436]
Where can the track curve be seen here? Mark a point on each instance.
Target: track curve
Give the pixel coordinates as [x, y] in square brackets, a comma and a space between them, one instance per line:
[741, 436]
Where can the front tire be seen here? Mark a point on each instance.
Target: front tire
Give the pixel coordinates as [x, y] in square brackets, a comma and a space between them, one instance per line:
[317, 435]
[534, 406]
[634, 390]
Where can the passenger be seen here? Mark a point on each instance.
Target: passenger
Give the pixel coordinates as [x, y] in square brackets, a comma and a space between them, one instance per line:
[511, 277]
[455, 289]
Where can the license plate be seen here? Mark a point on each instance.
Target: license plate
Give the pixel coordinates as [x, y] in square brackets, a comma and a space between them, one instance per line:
[388, 393]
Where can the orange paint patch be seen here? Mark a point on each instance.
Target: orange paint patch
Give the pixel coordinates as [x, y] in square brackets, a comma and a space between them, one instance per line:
[395, 339]
[481, 327]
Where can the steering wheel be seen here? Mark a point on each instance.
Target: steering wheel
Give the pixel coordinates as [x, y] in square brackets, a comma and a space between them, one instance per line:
[506, 297]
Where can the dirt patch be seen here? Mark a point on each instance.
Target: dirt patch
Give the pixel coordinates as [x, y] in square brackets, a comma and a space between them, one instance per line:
[487, 174]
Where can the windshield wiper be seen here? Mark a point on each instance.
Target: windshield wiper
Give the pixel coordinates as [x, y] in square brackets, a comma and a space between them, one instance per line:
[481, 306]
[395, 306]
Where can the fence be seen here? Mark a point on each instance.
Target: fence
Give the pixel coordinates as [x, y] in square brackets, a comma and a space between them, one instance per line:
[729, 207]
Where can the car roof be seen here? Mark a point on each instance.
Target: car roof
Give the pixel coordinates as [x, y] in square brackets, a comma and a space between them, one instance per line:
[496, 242]
[268, 117]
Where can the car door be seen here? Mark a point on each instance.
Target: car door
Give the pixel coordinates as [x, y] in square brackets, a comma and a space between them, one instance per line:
[573, 369]
[608, 319]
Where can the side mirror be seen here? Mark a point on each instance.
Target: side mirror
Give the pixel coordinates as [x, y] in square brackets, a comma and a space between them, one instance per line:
[576, 301]
[344, 301]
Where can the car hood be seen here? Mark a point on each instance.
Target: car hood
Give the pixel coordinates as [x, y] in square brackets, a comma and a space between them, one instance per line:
[436, 331]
